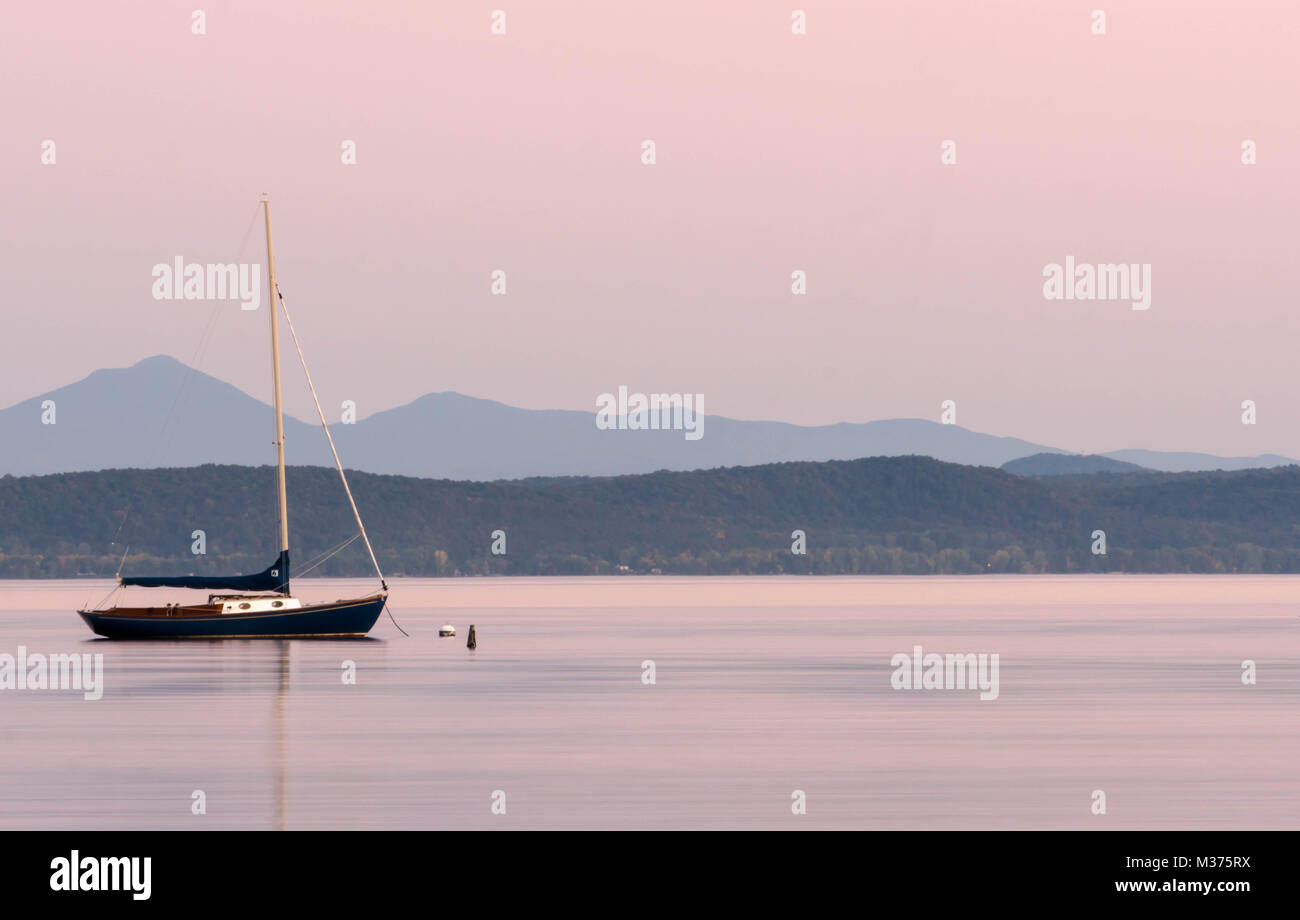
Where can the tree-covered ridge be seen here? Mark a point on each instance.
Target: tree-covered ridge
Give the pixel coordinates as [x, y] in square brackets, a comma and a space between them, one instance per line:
[886, 515]
[1068, 464]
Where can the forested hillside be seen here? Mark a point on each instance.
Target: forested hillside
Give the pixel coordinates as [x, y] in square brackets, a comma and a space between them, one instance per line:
[904, 515]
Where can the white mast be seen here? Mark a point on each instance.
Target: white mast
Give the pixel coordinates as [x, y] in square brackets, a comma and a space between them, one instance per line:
[275, 364]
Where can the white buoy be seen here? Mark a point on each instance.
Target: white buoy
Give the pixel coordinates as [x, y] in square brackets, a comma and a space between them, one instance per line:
[447, 630]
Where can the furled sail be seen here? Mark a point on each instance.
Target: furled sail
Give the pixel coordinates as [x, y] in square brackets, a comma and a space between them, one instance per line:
[275, 578]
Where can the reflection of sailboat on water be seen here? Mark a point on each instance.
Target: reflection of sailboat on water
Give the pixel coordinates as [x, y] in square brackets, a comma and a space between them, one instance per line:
[280, 754]
[273, 612]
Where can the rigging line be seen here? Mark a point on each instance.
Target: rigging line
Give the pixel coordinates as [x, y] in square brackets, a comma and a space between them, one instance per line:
[252, 221]
[335, 549]
[116, 588]
[195, 361]
[206, 338]
[328, 437]
[191, 371]
[394, 619]
[158, 447]
[323, 559]
[125, 514]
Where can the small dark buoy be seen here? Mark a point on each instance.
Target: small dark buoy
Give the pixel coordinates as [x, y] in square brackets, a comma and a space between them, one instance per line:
[472, 642]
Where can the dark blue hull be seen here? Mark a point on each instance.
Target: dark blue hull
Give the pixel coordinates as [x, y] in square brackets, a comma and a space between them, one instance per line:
[340, 619]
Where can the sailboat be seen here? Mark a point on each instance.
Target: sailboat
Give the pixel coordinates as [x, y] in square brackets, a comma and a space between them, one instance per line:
[261, 605]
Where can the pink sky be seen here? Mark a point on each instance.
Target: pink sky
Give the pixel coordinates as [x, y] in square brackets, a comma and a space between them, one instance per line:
[775, 152]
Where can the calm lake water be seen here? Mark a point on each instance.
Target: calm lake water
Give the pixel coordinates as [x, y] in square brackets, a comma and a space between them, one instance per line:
[1127, 684]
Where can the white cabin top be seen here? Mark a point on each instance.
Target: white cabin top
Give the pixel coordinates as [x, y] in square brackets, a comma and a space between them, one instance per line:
[244, 604]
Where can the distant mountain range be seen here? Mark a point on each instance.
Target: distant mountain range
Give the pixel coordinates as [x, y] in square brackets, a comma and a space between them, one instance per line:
[1173, 461]
[160, 413]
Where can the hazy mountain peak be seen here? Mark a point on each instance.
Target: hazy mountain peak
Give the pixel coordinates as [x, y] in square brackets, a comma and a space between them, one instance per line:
[160, 412]
[161, 362]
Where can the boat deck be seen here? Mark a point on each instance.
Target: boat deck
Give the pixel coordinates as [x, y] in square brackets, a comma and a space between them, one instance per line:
[168, 610]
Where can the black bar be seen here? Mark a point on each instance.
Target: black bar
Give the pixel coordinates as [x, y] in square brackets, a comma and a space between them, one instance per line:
[631, 872]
